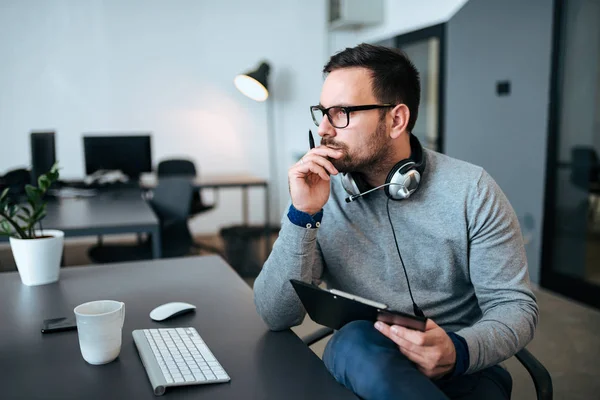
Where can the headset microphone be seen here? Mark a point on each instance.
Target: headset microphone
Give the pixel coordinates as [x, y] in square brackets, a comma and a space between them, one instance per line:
[350, 199]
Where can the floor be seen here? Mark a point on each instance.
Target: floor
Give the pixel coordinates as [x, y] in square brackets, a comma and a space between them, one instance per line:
[567, 339]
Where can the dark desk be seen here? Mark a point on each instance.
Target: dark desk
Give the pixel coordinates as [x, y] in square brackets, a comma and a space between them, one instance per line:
[110, 212]
[261, 364]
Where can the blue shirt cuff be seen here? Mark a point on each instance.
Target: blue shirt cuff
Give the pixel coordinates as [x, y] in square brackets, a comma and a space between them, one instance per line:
[462, 354]
[303, 219]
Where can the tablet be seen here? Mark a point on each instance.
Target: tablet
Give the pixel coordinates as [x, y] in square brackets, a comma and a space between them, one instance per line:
[334, 308]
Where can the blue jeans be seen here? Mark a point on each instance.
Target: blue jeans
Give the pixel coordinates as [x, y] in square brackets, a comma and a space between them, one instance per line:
[370, 364]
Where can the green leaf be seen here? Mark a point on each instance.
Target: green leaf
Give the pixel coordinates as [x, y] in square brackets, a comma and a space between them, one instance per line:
[23, 218]
[36, 214]
[32, 205]
[33, 193]
[53, 176]
[40, 217]
[26, 211]
[44, 182]
[4, 194]
[5, 226]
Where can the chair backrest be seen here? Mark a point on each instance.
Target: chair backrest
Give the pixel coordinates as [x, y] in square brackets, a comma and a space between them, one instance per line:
[172, 199]
[179, 167]
[584, 166]
[15, 180]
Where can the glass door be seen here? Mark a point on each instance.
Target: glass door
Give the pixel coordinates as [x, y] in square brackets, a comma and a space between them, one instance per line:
[425, 48]
[571, 249]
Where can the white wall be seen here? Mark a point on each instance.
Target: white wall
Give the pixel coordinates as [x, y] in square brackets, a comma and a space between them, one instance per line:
[400, 16]
[165, 67]
[507, 135]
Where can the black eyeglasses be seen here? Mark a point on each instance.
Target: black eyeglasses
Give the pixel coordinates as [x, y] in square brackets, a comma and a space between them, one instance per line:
[339, 116]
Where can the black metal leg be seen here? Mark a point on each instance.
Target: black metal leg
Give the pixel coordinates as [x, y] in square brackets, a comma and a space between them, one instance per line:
[245, 204]
[156, 243]
[267, 227]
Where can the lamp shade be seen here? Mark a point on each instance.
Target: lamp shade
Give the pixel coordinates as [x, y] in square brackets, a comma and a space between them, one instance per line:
[254, 84]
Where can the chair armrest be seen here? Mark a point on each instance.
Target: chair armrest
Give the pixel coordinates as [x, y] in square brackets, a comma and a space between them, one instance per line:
[314, 337]
[540, 375]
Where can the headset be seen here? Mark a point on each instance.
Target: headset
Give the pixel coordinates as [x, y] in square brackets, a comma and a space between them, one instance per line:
[402, 180]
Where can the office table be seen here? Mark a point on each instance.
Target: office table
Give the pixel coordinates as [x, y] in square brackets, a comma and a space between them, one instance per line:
[261, 364]
[110, 212]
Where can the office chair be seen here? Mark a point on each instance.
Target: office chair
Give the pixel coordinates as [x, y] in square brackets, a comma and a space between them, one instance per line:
[585, 174]
[181, 168]
[15, 180]
[171, 203]
[539, 374]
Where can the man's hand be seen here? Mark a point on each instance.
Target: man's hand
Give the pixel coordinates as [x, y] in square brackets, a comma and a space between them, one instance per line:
[432, 351]
[309, 179]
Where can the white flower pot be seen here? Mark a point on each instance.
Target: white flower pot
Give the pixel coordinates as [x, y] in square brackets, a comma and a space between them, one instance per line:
[38, 260]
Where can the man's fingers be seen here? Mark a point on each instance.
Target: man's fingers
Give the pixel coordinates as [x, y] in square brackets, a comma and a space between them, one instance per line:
[430, 324]
[301, 169]
[413, 336]
[325, 163]
[426, 358]
[400, 341]
[317, 169]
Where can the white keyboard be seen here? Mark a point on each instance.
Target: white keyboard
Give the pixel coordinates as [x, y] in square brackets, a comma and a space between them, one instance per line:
[177, 357]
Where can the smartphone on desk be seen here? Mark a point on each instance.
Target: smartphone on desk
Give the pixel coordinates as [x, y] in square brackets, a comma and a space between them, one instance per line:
[59, 324]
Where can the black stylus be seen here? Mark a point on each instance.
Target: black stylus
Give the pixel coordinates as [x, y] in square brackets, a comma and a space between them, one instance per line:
[311, 140]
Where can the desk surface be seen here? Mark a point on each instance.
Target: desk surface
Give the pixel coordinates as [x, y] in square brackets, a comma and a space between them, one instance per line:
[112, 209]
[261, 364]
[110, 212]
[149, 180]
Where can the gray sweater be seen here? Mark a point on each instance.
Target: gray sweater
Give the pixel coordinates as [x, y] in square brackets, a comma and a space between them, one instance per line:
[461, 244]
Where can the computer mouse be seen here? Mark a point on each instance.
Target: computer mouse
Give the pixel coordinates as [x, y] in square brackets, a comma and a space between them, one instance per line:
[170, 310]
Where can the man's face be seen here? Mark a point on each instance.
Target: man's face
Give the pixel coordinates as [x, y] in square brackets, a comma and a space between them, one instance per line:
[365, 141]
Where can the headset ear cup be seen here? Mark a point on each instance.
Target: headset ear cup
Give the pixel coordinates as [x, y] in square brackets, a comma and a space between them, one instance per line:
[404, 179]
[349, 184]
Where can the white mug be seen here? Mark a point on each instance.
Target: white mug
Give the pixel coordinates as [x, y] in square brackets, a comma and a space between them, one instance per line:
[99, 327]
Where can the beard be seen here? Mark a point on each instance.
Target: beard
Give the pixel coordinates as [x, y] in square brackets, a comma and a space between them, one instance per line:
[370, 157]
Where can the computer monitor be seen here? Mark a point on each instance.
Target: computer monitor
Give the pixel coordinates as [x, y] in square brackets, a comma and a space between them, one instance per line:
[132, 155]
[43, 154]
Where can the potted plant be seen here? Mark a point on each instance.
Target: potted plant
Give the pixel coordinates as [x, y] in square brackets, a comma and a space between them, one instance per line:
[37, 252]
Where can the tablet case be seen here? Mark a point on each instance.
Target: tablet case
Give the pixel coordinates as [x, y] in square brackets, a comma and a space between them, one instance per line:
[335, 311]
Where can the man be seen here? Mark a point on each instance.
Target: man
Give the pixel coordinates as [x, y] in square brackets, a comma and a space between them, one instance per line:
[450, 247]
